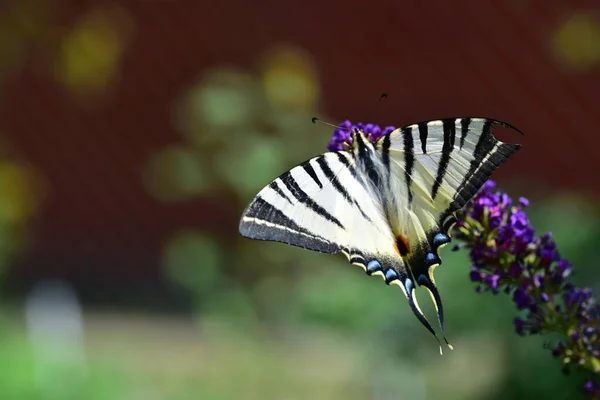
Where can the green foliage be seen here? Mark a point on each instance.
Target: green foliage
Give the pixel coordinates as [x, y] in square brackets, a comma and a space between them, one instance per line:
[232, 303]
[25, 377]
[193, 260]
[306, 316]
[343, 297]
[575, 225]
[252, 163]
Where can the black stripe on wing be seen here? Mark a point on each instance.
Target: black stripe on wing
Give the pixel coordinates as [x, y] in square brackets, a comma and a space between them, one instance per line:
[332, 178]
[365, 156]
[302, 197]
[344, 160]
[488, 155]
[273, 185]
[263, 221]
[385, 154]
[464, 130]
[423, 132]
[409, 160]
[449, 127]
[308, 168]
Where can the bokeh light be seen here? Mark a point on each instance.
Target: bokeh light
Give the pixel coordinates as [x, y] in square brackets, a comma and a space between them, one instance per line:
[219, 107]
[576, 41]
[289, 79]
[90, 54]
[193, 260]
[20, 197]
[177, 173]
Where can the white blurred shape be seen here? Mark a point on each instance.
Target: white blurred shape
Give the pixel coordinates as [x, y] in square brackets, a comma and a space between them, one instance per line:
[55, 330]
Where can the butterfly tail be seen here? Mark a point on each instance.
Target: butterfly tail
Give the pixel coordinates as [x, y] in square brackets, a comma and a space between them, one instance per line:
[409, 291]
[428, 284]
[422, 266]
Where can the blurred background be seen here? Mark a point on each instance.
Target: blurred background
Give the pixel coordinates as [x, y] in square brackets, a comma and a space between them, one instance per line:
[134, 132]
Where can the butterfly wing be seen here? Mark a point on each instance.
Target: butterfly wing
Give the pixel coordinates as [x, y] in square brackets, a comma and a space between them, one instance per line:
[326, 205]
[434, 169]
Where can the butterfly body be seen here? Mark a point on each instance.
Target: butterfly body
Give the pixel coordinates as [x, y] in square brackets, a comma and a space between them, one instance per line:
[388, 206]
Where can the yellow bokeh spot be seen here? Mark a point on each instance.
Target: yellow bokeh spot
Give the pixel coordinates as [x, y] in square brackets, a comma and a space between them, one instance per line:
[24, 20]
[289, 79]
[577, 41]
[595, 364]
[91, 52]
[18, 198]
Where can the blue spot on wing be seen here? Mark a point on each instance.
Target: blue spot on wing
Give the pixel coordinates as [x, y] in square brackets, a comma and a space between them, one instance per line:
[373, 266]
[431, 259]
[390, 275]
[440, 239]
[408, 285]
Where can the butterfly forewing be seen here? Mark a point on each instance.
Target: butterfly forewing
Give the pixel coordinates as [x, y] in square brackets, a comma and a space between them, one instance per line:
[319, 205]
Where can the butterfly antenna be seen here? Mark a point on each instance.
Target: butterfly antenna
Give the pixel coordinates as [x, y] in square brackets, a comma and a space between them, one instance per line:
[315, 120]
[382, 97]
[373, 112]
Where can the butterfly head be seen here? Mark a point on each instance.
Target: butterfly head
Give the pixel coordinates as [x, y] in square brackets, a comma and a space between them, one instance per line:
[353, 137]
[357, 140]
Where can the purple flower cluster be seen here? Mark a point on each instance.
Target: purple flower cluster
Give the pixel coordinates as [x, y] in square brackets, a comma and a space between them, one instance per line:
[507, 256]
[343, 134]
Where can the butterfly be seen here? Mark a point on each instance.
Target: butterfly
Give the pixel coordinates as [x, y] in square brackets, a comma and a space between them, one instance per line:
[387, 205]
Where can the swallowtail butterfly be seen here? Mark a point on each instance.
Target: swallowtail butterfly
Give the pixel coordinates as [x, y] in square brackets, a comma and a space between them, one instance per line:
[387, 206]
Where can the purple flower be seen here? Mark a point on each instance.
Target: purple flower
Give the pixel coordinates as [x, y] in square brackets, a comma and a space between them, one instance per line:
[507, 255]
[515, 270]
[343, 134]
[561, 271]
[522, 299]
[475, 274]
[491, 225]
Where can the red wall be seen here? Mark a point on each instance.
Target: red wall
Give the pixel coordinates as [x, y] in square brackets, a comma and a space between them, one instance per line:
[488, 58]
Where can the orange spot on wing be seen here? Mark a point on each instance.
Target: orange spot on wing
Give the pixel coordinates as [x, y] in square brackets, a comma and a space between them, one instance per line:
[402, 245]
[396, 248]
